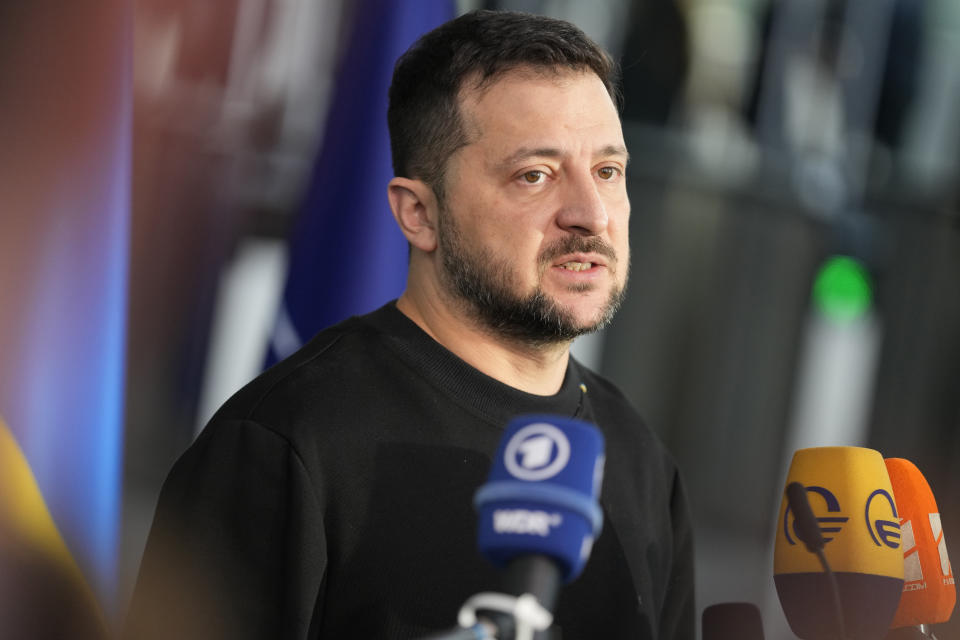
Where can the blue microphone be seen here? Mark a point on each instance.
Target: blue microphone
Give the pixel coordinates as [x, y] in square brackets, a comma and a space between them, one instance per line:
[541, 496]
[538, 516]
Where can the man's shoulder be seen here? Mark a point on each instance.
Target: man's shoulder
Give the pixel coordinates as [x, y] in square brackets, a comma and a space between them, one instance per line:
[333, 364]
[622, 422]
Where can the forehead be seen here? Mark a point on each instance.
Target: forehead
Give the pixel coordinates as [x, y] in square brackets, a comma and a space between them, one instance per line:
[529, 102]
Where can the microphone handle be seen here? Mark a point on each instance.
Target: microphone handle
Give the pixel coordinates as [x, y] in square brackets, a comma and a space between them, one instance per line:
[536, 574]
[540, 576]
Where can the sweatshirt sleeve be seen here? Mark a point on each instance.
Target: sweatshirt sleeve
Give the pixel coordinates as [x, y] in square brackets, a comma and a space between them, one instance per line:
[678, 617]
[237, 547]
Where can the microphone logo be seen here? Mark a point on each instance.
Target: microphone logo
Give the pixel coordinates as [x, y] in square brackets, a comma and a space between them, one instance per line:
[537, 452]
[945, 569]
[828, 524]
[882, 531]
[912, 569]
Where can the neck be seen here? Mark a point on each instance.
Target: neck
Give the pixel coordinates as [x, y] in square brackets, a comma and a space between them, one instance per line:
[536, 369]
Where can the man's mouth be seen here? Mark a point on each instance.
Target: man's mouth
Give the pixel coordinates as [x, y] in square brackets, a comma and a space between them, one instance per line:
[576, 253]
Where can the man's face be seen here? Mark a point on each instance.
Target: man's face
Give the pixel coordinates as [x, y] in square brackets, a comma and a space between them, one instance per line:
[533, 229]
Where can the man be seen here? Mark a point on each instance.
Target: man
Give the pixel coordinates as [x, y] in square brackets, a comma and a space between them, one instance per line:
[331, 497]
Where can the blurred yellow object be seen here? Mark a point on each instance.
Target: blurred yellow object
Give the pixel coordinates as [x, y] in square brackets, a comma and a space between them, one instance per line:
[23, 512]
[43, 593]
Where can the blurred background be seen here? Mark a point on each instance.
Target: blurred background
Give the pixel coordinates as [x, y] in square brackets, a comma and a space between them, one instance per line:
[188, 190]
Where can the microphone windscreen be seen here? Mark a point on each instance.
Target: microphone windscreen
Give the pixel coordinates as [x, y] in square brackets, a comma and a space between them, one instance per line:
[929, 592]
[541, 496]
[850, 495]
[732, 621]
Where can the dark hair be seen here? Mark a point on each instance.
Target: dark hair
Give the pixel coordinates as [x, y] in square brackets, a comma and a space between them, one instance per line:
[424, 118]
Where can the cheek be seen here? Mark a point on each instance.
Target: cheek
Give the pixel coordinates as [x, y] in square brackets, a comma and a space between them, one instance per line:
[619, 230]
[515, 245]
[619, 223]
[511, 230]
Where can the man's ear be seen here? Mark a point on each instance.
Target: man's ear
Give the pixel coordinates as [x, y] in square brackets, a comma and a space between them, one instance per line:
[414, 207]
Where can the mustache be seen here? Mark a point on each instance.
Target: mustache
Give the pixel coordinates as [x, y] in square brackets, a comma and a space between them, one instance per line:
[577, 244]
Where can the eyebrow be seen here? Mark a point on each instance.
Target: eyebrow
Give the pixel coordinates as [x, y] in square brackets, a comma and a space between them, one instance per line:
[524, 153]
[616, 150]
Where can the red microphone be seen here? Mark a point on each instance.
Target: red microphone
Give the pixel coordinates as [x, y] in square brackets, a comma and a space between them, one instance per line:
[929, 592]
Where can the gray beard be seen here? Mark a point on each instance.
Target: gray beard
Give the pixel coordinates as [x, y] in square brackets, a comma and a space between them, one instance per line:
[486, 286]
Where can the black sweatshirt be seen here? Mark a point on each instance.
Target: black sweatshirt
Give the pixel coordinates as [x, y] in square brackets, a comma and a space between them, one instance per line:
[332, 498]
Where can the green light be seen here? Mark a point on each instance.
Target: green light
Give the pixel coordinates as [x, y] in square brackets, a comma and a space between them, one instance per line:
[842, 289]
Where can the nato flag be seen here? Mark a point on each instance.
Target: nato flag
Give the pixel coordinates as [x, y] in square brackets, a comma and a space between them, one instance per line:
[347, 255]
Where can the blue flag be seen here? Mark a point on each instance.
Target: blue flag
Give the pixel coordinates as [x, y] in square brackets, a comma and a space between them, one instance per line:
[64, 238]
[347, 255]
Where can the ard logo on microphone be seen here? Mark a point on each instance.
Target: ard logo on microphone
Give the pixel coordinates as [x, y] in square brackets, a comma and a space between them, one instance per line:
[537, 452]
[821, 500]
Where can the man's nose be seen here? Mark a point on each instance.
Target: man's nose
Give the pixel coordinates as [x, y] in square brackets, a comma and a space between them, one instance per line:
[582, 210]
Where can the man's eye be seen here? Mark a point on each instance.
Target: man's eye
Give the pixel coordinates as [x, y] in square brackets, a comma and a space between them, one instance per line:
[608, 173]
[533, 177]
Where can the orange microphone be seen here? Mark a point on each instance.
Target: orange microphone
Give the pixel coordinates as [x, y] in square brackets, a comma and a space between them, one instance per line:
[929, 592]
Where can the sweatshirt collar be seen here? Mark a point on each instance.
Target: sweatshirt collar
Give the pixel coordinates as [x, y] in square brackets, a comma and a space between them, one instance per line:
[485, 396]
